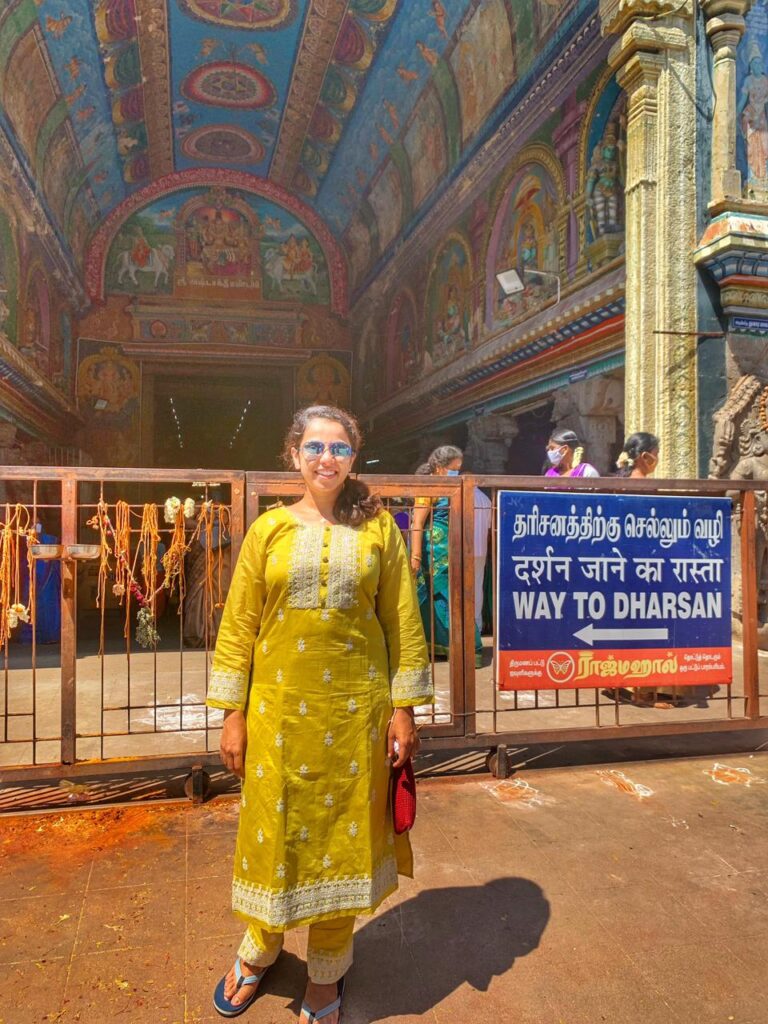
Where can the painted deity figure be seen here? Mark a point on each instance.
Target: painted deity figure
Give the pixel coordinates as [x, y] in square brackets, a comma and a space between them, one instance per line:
[605, 183]
[450, 324]
[304, 259]
[209, 244]
[529, 246]
[141, 250]
[225, 245]
[291, 255]
[752, 113]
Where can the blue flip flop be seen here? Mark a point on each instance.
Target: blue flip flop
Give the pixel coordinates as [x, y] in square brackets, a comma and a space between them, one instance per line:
[222, 1005]
[314, 1015]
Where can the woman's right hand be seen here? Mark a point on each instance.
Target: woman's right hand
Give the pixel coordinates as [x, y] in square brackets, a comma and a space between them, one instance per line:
[415, 565]
[234, 740]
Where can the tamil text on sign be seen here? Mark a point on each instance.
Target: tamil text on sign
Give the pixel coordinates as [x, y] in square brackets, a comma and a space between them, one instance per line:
[607, 590]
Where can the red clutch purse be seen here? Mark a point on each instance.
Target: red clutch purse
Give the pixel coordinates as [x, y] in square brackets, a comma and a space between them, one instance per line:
[403, 795]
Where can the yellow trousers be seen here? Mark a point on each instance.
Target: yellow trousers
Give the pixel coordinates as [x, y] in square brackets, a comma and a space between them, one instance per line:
[329, 948]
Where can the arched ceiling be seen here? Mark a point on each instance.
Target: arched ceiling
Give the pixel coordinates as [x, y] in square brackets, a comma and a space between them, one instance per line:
[101, 98]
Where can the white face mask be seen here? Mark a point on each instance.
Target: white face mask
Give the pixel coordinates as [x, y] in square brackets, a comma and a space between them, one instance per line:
[555, 455]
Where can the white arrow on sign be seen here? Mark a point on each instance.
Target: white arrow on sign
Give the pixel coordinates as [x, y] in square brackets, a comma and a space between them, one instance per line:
[590, 635]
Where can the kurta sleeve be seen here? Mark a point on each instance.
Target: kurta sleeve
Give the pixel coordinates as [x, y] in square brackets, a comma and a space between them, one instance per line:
[397, 609]
[230, 674]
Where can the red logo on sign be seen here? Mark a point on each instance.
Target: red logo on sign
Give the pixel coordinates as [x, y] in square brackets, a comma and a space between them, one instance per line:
[561, 667]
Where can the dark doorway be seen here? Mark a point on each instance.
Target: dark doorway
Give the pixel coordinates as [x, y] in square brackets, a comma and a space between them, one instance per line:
[527, 452]
[235, 419]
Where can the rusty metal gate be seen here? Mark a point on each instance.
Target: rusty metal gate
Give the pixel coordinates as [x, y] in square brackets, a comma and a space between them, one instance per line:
[69, 708]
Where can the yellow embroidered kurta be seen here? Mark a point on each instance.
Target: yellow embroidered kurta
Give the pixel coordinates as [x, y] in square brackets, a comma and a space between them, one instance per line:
[321, 636]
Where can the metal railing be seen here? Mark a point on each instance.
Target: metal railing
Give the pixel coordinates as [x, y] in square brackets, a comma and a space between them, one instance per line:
[69, 708]
[524, 717]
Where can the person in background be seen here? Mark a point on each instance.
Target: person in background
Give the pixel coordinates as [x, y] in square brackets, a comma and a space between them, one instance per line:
[430, 554]
[565, 456]
[47, 595]
[637, 461]
[639, 457]
[483, 519]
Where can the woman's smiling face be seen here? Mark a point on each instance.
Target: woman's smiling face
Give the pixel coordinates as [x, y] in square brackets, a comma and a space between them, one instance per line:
[324, 474]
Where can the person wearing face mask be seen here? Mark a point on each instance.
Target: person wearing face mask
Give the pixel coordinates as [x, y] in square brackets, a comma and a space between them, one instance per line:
[565, 455]
[639, 456]
[430, 554]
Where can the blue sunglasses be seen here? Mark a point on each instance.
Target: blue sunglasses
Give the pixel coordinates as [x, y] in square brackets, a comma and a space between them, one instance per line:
[338, 449]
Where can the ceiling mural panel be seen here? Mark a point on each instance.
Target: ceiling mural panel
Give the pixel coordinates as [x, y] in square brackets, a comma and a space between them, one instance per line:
[355, 106]
[225, 189]
[404, 67]
[227, 73]
[245, 14]
[217, 243]
[482, 82]
[222, 143]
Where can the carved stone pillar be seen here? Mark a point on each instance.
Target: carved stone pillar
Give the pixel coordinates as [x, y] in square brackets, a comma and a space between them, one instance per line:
[489, 438]
[593, 408]
[566, 141]
[725, 27]
[655, 64]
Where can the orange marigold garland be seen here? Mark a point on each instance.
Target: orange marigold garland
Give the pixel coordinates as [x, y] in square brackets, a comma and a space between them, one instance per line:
[16, 527]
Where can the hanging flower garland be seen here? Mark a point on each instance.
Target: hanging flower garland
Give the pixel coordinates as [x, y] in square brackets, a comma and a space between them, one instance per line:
[17, 527]
[213, 522]
[115, 544]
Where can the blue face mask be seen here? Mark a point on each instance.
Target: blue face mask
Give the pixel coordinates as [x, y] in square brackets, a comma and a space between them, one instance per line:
[452, 472]
[555, 455]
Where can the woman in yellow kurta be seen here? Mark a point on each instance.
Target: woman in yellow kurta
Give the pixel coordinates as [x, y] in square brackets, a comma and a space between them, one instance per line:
[320, 640]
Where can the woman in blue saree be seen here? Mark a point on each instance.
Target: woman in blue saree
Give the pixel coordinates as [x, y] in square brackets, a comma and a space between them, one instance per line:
[47, 596]
[429, 555]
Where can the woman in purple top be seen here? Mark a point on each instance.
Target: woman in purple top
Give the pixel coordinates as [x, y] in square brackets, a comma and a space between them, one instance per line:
[565, 453]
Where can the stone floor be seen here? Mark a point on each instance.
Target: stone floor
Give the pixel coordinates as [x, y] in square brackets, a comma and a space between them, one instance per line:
[634, 894]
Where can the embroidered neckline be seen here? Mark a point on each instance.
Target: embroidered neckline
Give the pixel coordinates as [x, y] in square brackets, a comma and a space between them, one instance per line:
[313, 526]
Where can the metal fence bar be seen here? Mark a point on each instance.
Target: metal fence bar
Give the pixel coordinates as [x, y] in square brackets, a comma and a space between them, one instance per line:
[749, 606]
[69, 623]
[469, 690]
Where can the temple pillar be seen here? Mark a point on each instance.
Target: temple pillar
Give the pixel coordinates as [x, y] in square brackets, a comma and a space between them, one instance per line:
[489, 438]
[566, 141]
[654, 60]
[725, 27]
[593, 408]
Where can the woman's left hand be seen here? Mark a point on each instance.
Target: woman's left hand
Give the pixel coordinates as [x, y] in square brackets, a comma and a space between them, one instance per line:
[402, 729]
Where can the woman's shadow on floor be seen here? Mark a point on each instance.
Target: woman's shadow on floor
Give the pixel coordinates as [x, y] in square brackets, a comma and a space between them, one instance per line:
[412, 956]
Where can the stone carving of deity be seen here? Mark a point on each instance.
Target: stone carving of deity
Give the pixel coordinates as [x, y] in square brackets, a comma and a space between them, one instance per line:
[740, 452]
[605, 184]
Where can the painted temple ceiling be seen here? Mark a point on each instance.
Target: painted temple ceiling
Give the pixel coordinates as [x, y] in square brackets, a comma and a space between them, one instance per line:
[361, 109]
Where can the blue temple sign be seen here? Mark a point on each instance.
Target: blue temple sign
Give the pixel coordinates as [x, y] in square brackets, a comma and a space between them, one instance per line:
[613, 589]
[749, 323]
